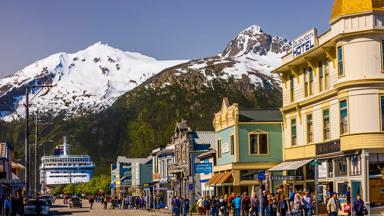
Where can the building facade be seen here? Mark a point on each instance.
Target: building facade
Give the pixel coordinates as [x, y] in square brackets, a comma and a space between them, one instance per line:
[188, 145]
[207, 161]
[247, 142]
[333, 101]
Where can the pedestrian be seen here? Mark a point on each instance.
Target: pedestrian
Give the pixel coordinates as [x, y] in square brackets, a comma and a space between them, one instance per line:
[265, 203]
[333, 205]
[245, 204]
[307, 204]
[223, 205]
[272, 207]
[236, 205]
[186, 206]
[254, 205]
[214, 204]
[175, 206]
[91, 200]
[347, 206]
[282, 206]
[358, 206]
[105, 202]
[230, 199]
[207, 205]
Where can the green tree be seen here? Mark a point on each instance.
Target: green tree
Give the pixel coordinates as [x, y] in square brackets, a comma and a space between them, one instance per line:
[69, 189]
[57, 190]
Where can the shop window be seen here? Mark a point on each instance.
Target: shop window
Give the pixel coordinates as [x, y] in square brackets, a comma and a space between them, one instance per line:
[340, 61]
[341, 166]
[309, 129]
[258, 143]
[310, 171]
[376, 163]
[293, 132]
[382, 113]
[298, 172]
[321, 77]
[343, 117]
[342, 188]
[232, 140]
[355, 165]
[326, 125]
[219, 149]
[292, 88]
[248, 174]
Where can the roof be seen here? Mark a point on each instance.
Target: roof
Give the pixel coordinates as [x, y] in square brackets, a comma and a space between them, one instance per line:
[352, 7]
[123, 159]
[261, 115]
[207, 154]
[205, 137]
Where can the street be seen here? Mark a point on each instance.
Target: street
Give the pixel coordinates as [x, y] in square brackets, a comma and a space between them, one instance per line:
[59, 209]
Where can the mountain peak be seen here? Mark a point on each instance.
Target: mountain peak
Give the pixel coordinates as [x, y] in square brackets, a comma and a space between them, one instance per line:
[253, 40]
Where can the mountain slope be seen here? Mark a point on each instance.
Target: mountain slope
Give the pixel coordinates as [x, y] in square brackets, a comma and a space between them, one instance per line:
[83, 82]
[145, 117]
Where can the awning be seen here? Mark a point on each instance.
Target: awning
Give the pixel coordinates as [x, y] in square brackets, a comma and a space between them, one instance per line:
[215, 178]
[290, 165]
[224, 178]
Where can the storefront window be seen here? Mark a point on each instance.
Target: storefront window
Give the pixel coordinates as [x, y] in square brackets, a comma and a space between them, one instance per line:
[376, 163]
[330, 169]
[341, 166]
[248, 174]
[298, 172]
[310, 171]
[355, 165]
[342, 189]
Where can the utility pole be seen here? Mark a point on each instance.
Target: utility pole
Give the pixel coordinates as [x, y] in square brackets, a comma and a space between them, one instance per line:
[36, 135]
[26, 147]
[27, 133]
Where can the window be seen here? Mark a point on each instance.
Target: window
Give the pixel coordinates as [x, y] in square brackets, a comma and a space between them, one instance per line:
[310, 90]
[306, 81]
[326, 75]
[292, 88]
[232, 140]
[376, 160]
[340, 66]
[293, 132]
[326, 125]
[258, 143]
[218, 148]
[343, 117]
[341, 166]
[309, 129]
[355, 165]
[330, 168]
[321, 77]
[382, 113]
[382, 55]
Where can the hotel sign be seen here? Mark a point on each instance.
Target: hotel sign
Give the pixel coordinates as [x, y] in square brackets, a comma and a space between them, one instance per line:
[328, 147]
[304, 43]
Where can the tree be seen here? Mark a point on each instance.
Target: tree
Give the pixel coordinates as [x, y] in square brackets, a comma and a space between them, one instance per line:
[69, 189]
[57, 190]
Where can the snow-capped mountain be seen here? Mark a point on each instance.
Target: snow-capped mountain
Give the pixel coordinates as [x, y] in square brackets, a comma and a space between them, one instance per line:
[252, 54]
[83, 82]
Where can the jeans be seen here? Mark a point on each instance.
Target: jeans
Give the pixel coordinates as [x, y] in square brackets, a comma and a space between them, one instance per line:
[245, 212]
[237, 212]
[308, 211]
[214, 212]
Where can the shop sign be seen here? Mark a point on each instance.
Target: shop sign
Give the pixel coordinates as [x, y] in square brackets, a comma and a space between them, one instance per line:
[204, 168]
[376, 186]
[304, 43]
[328, 147]
[155, 175]
[285, 178]
[225, 148]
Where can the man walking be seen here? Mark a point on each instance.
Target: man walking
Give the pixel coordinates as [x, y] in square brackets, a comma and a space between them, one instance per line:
[245, 204]
[333, 205]
[236, 205]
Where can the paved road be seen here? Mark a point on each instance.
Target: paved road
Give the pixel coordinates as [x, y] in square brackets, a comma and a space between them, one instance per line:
[59, 209]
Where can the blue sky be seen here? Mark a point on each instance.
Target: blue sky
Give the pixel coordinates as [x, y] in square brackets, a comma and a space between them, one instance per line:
[164, 29]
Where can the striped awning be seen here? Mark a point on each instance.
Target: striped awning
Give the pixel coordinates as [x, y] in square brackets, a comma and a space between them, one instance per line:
[215, 178]
[226, 177]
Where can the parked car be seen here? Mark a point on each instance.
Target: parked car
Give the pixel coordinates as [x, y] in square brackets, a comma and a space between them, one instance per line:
[75, 202]
[48, 198]
[30, 207]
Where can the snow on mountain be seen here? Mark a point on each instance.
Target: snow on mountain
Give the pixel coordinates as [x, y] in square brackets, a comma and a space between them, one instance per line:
[252, 53]
[83, 82]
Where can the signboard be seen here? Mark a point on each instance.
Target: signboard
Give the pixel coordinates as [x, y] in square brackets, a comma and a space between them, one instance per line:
[261, 175]
[376, 185]
[328, 147]
[155, 175]
[304, 43]
[285, 178]
[322, 170]
[225, 148]
[204, 168]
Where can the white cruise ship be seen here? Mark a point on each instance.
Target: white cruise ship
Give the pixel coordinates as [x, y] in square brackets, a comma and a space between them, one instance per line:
[62, 168]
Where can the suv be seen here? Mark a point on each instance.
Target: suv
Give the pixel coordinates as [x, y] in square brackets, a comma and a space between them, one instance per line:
[75, 202]
[31, 207]
[48, 198]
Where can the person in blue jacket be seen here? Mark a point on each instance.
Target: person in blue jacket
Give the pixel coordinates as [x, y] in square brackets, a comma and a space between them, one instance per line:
[236, 205]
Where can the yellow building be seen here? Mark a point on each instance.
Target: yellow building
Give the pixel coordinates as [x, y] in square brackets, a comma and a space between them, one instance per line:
[333, 101]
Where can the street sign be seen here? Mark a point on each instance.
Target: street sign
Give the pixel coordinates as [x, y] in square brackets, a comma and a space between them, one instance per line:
[204, 168]
[261, 175]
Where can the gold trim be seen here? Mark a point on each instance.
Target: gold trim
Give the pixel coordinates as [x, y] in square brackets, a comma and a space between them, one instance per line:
[362, 140]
